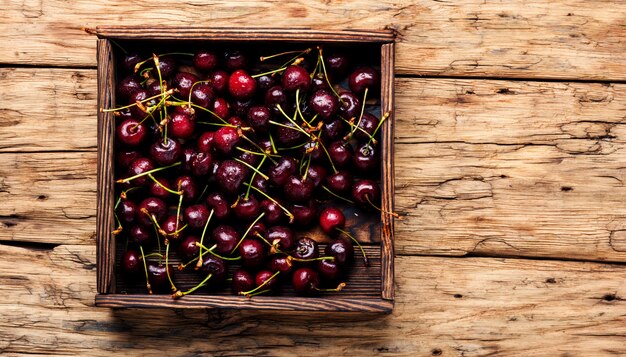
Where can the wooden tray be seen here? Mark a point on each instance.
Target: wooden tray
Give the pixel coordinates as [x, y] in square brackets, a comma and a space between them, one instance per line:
[372, 287]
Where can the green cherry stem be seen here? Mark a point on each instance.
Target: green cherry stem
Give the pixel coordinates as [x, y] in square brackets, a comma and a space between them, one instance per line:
[163, 186]
[145, 268]
[250, 292]
[326, 74]
[167, 268]
[180, 294]
[365, 260]
[210, 250]
[362, 111]
[128, 179]
[257, 171]
[380, 123]
[300, 53]
[336, 195]
[199, 265]
[247, 231]
[289, 214]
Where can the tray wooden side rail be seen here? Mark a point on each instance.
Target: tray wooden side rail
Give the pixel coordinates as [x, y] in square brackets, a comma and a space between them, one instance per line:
[381, 249]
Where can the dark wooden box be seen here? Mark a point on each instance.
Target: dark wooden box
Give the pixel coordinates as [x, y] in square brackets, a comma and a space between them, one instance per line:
[369, 289]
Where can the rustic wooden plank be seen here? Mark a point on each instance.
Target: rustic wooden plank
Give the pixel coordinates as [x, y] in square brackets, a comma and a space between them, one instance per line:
[47, 109]
[444, 306]
[540, 39]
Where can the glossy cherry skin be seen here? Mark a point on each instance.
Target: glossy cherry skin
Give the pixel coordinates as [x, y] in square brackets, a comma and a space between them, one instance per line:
[247, 209]
[250, 159]
[180, 126]
[157, 190]
[304, 214]
[281, 263]
[265, 278]
[130, 61]
[341, 249]
[368, 124]
[188, 248]
[273, 213]
[274, 97]
[202, 94]
[337, 63]
[319, 82]
[187, 157]
[141, 235]
[205, 141]
[341, 153]
[230, 176]
[328, 270]
[324, 103]
[219, 81]
[297, 189]
[139, 95]
[258, 118]
[252, 252]
[154, 206]
[331, 218]
[127, 86]
[317, 174]
[241, 85]
[258, 228]
[225, 139]
[166, 152]
[139, 166]
[296, 77]
[288, 136]
[305, 281]
[201, 164]
[282, 170]
[124, 157]
[214, 266]
[265, 82]
[131, 133]
[334, 129]
[167, 66]
[220, 108]
[350, 105]
[131, 263]
[306, 248]
[157, 276]
[219, 204]
[226, 237]
[189, 187]
[282, 235]
[126, 211]
[339, 182]
[196, 216]
[366, 191]
[364, 77]
[366, 158]
[183, 81]
[235, 59]
[205, 60]
[170, 226]
[153, 87]
[242, 281]
[236, 121]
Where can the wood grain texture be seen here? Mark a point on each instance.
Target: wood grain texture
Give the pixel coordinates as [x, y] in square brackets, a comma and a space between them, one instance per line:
[540, 39]
[444, 306]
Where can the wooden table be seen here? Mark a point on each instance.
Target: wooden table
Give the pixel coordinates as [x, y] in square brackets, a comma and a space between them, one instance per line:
[510, 171]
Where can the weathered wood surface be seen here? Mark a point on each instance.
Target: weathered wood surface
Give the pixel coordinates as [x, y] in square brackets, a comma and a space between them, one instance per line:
[485, 167]
[541, 39]
[448, 307]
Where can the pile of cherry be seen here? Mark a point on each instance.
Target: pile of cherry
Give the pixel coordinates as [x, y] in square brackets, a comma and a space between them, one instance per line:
[222, 158]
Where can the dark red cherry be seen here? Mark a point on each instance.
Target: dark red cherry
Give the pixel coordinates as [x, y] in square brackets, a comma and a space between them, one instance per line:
[366, 190]
[170, 226]
[281, 263]
[220, 108]
[288, 136]
[187, 157]
[314, 150]
[131, 60]
[334, 129]
[267, 279]
[137, 111]
[205, 141]
[274, 97]
[273, 213]
[298, 189]
[305, 281]
[125, 157]
[296, 77]
[153, 87]
[242, 281]
[157, 190]
[249, 158]
[140, 166]
[364, 77]
[230, 176]
[265, 82]
[280, 172]
[366, 158]
[166, 152]
[337, 63]
[328, 270]
[304, 214]
[219, 81]
[225, 139]
[126, 211]
[349, 106]
[167, 66]
[332, 218]
[188, 248]
[252, 252]
[319, 82]
[368, 123]
[341, 153]
[219, 204]
[340, 182]
[157, 276]
[258, 228]
[317, 174]
[201, 164]
[214, 266]
[236, 121]
[131, 263]
[183, 81]
[258, 118]
[261, 183]
[154, 207]
[183, 109]
[131, 133]
[180, 126]
[282, 235]
[127, 86]
[202, 94]
[241, 85]
[226, 238]
[324, 103]
[341, 249]
[235, 59]
[240, 107]
[188, 186]
[141, 235]
[247, 209]
[196, 216]
[306, 248]
[205, 60]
